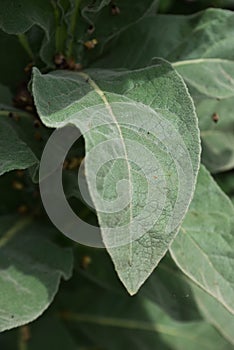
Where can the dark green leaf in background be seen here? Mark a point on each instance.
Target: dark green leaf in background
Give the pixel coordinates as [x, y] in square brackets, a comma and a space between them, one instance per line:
[202, 50]
[31, 268]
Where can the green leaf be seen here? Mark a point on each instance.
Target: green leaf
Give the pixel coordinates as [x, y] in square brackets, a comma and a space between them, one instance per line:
[137, 322]
[66, 23]
[13, 59]
[55, 334]
[5, 96]
[31, 268]
[206, 35]
[48, 332]
[203, 249]
[14, 153]
[108, 24]
[219, 73]
[215, 313]
[212, 96]
[202, 50]
[165, 286]
[137, 128]
[18, 17]
[226, 182]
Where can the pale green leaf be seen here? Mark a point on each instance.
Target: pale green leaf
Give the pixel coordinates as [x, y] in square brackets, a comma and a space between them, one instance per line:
[162, 126]
[30, 270]
[203, 249]
[215, 313]
[213, 96]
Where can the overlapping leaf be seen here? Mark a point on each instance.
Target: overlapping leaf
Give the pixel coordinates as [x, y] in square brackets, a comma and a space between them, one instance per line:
[204, 247]
[14, 153]
[215, 313]
[201, 47]
[17, 17]
[135, 323]
[124, 113]
[30, 272]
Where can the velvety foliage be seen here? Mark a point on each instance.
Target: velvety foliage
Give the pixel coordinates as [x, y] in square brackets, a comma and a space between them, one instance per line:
[150, 87]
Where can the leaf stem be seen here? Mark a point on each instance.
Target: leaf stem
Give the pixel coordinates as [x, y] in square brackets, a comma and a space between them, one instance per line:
[24, 42]
[20, 113]
[21, 224]
[72, 29]
[60, 32]
[23, 338]
[121, 323]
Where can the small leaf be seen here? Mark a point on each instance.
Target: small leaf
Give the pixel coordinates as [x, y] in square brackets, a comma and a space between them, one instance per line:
[31, 268]
[14, 153]
[150, 141]
[203, 249]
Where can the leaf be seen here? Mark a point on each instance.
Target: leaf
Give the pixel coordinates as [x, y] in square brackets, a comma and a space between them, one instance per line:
[107, 23]
[219, 73]
[137, 128]
[11, 68]
[50, 333]
[31, 268]
[203, 249]
[167, 288]
[47, 332]
[164, 287]
[66, 23]
[136, 323]
[5, 96]
[215, 313]
[213, 97]
[14, 153]
[201, 49]
[191, 40]
[226, 182]
[18, 17]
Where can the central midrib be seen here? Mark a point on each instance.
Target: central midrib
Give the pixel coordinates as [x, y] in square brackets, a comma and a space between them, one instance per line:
[108, 106]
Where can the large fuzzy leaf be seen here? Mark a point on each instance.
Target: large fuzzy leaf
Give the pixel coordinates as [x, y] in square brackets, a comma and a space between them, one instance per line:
[204, 247]
[153, 143]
